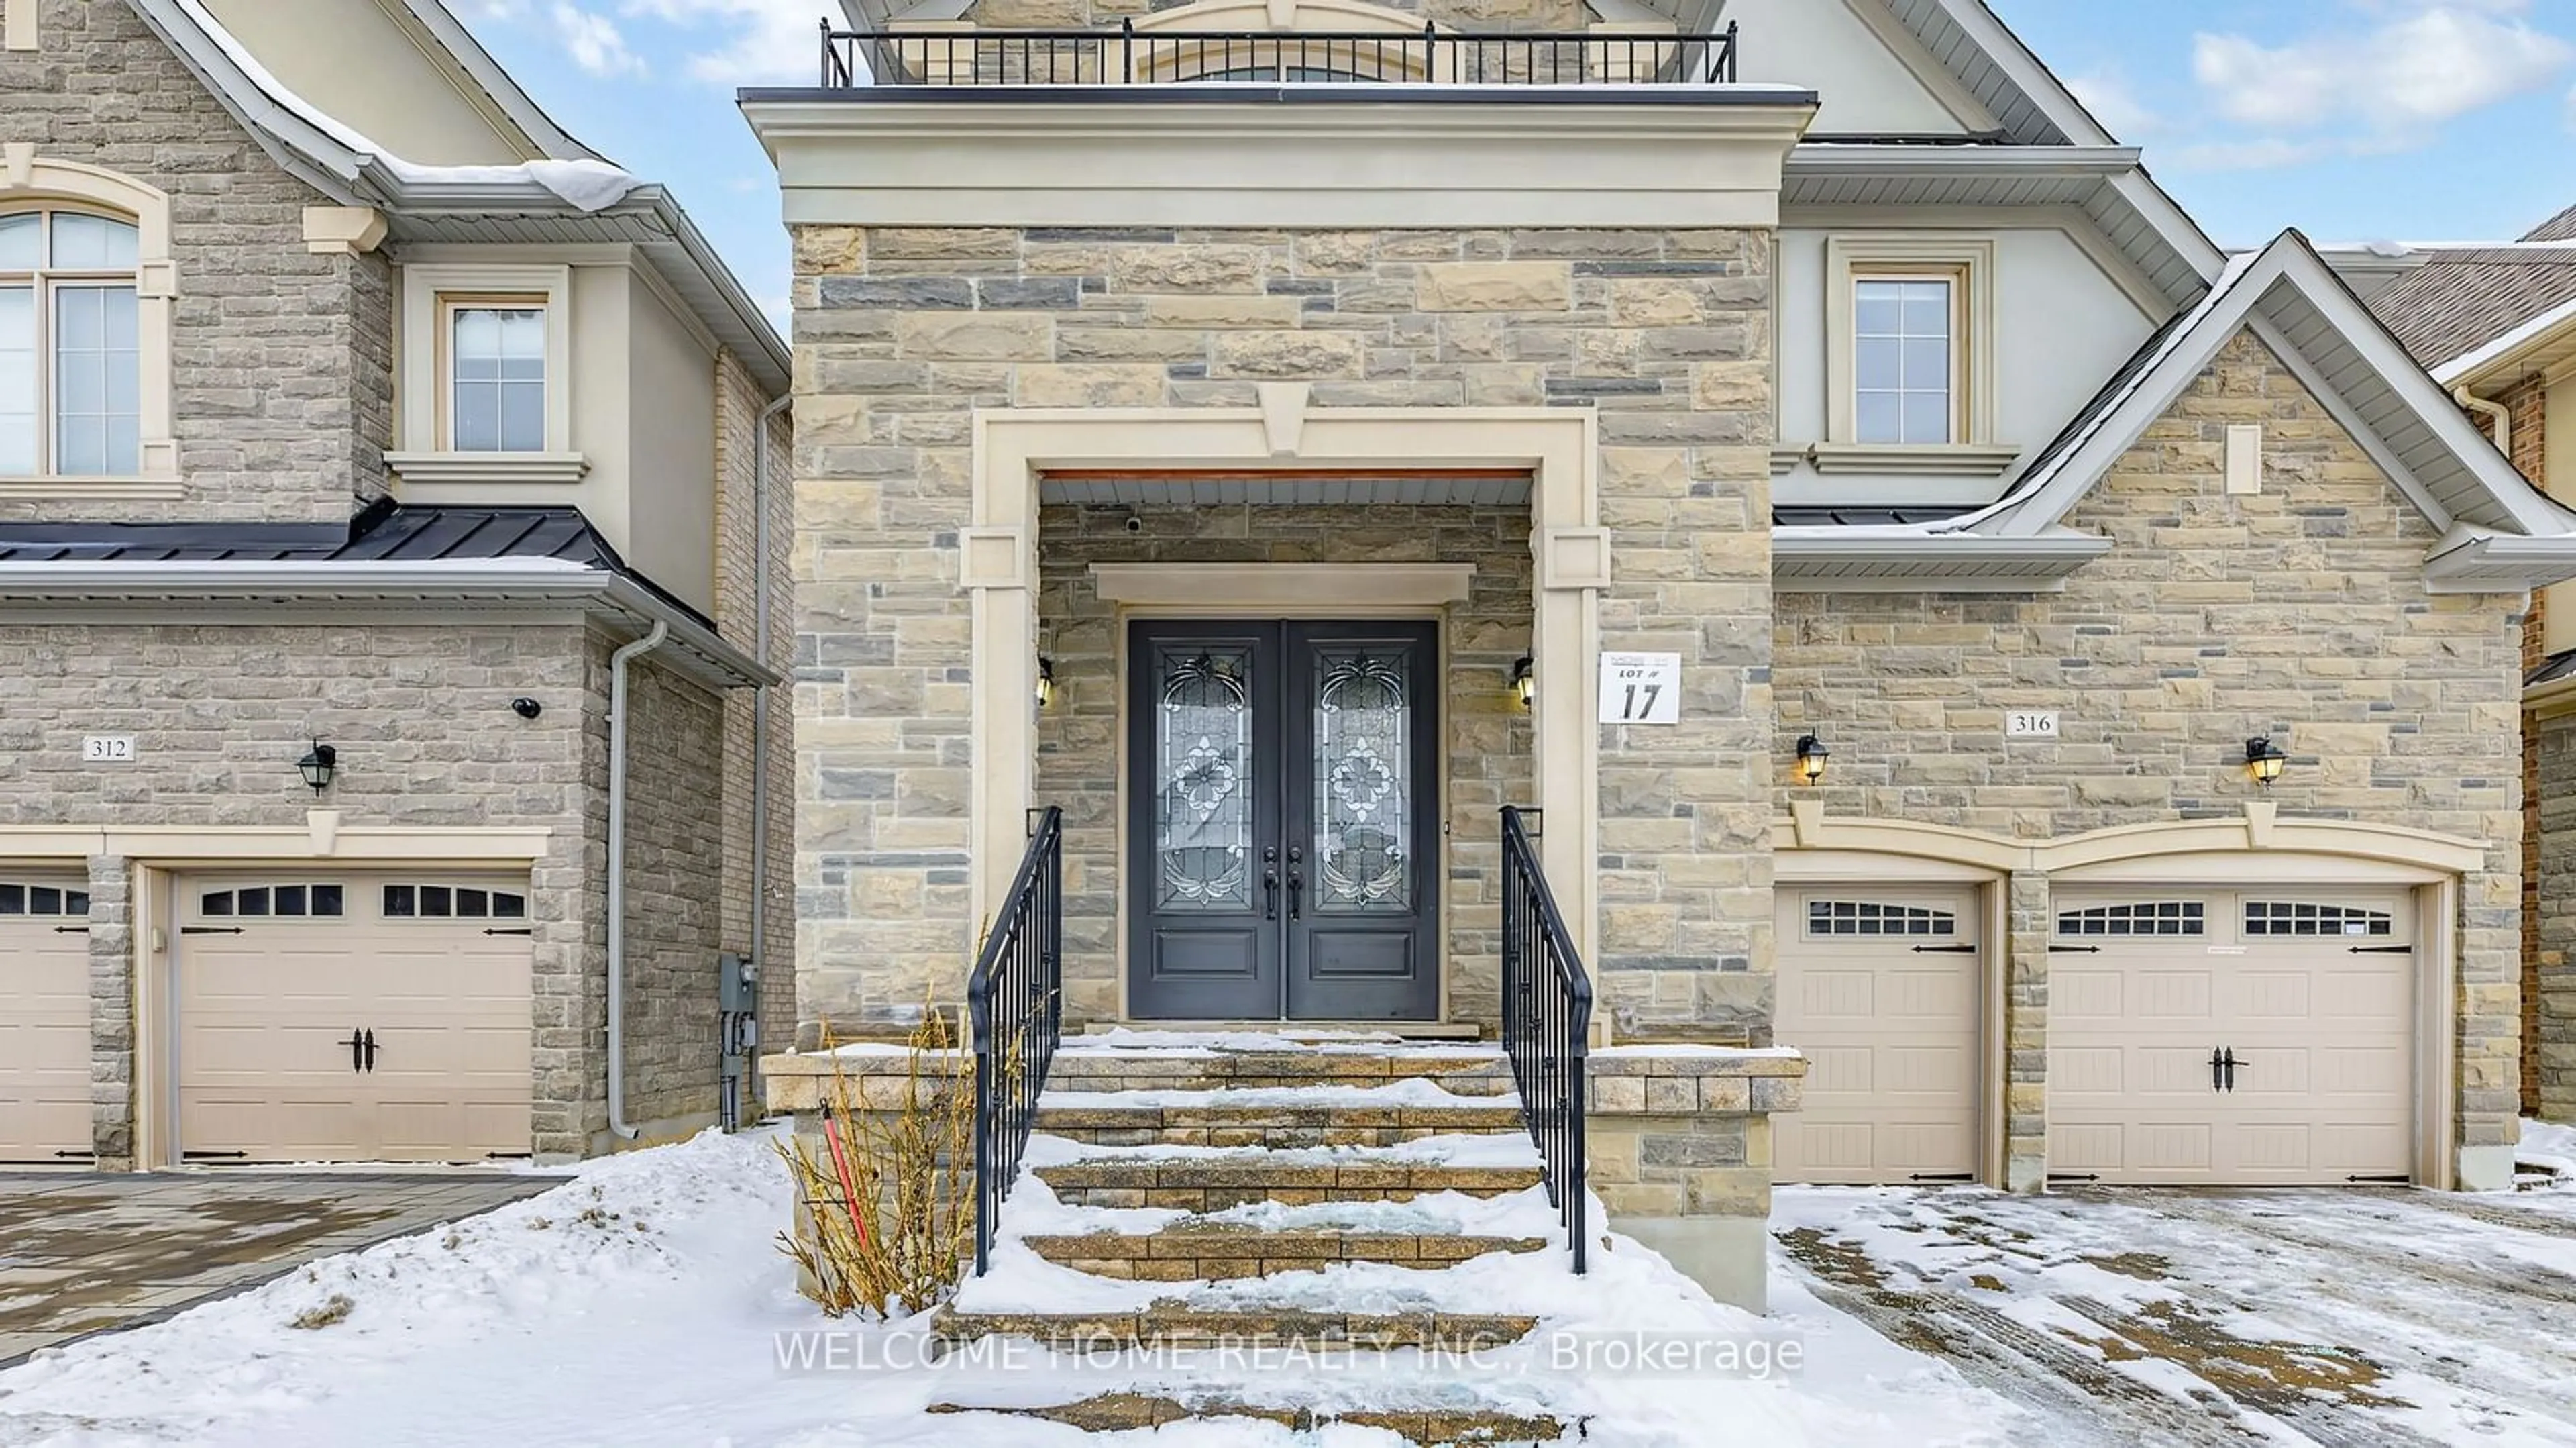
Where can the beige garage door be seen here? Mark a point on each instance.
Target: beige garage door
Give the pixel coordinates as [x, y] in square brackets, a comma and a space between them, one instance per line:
[44, 1020]
[353, 1018]
[1880, 989]
[2309, 992]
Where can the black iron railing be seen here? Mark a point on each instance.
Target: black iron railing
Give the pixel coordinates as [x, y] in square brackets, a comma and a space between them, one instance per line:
[1016, 1000]
[1547, 1023]
[1127, 56]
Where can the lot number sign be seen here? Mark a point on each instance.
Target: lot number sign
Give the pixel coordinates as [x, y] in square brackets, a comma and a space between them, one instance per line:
[1641, 688]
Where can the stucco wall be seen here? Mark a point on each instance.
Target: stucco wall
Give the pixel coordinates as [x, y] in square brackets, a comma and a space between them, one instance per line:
[902, 334]
[282, 383]
[1486, 732]
[2299, 612]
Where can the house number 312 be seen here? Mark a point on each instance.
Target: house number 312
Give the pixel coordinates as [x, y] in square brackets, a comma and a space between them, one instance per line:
[107, 749]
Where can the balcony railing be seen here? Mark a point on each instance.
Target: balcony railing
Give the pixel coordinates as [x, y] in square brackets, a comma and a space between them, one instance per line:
[1126, 56]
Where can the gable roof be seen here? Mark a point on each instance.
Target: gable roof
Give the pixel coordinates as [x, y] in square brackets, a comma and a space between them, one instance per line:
[2465, 298]
[570, 194]
[2499, 531]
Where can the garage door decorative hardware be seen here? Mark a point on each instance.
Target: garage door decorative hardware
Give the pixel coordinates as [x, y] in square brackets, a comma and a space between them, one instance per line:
[362, 1049]
[2074, 1176]
[1943, 1176]
[1945, 950]
[2381, 950]
[509, 1156]
[71, 930]
[510, 930]
[2075, 950]
[2383, 1179]
[2222, 1068]
[210, 930]
[214, 1156]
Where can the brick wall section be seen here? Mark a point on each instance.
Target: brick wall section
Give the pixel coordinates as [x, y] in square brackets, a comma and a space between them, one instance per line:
[679, 894]
[2551, 1009]
[1486, 731]
[901, 333]
[2301, 613]
[2528, 406]
[739, 401]
[283, 379]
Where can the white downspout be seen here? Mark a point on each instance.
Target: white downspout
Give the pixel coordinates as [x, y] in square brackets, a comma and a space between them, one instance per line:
[760, 718]
[2500, 414]
[617, 1123]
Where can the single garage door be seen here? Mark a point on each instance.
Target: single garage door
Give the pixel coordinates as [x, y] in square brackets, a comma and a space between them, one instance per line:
[1880, 989]
[353, 1019]
[2232, 1038]
[44, 1020]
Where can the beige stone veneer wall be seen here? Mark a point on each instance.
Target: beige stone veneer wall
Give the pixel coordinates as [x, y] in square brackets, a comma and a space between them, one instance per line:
[903, 334]
[1485, 731]
[2298, 612]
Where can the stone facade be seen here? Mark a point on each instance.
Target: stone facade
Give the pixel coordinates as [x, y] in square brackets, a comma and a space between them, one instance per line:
[283, 376]
[2298, 612]
[1486, 732]
[2528, 408]
[903, 333]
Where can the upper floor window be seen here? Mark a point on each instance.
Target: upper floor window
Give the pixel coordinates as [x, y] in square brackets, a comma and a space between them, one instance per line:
[1905, 365]
[70, 375]
[495, 373]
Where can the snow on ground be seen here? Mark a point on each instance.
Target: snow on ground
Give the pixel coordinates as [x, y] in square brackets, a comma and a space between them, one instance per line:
[2550, 1147]
[641, 1303]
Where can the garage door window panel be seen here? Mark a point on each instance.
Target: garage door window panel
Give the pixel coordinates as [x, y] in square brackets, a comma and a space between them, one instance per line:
[19, 898]
[274, 902]
[1827, 919]
[453, 902]
[2131, 919]
[2288, 917]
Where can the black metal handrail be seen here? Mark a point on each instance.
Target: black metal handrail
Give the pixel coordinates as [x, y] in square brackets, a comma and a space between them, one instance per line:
[1016, 1000]
[1126, 56]
[1547, 1024]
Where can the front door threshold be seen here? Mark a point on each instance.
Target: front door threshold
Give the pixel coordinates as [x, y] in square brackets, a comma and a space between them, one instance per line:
[1299, 1030]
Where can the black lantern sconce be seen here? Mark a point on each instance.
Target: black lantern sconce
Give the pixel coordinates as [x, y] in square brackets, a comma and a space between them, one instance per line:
[1812, 755]
[1525, 681]
[1046, 681]
[2263, 760]
[318, 765]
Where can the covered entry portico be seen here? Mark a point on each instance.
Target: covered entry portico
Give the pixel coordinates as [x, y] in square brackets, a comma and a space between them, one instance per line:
[1246, 681]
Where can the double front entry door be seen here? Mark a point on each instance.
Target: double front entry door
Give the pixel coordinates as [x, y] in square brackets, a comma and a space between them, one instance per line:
[1283, 836]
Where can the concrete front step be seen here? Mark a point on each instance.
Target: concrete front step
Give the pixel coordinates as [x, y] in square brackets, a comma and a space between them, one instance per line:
[1461, 1070]
[1215, 1251]
[1283, 1127]
[1432, 1428]
[1180, 1325]
[1233, 1179]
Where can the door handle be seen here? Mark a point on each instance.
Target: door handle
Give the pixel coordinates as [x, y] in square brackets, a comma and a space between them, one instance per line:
[2231, 1063]
[1296, 891]
[2217, 1071]
[357, 1046]
[1270, 894]
[371, 1050]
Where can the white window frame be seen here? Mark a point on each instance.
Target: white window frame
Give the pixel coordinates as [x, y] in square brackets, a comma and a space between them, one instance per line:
[1968, 262]
[422, 452]
[29, 182]
[45, 285]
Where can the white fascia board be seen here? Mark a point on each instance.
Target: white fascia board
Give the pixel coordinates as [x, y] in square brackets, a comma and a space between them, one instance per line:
[543, 580]
[1842, 158]
[2036, 81]
[2498, 563]
[2171, 222]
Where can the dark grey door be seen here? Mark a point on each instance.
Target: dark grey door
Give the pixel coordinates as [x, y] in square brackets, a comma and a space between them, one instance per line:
[1283, 830]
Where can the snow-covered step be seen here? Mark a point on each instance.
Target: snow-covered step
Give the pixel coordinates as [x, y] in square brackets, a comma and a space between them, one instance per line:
[1279, 1118]
[1154, 1062]
[1184, 1325]
[1207, 1251]
[1226, 1179]
[1429, 1427]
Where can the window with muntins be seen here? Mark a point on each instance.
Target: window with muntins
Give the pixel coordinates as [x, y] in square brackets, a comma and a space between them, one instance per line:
[2145, 917]
[1904, 360]
[453, 902]
[70, 368]
[2290, 917]
[1868, 917]
[496, 363]
[17, 898]
[275, 902]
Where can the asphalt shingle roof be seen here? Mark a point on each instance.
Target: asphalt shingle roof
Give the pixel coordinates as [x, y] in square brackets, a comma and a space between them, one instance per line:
[2461, 300]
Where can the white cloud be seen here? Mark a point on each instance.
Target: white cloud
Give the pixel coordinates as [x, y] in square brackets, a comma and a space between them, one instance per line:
[759, 42]
[593, 42]
[2424, 63]
[2108, 96]
[2268, 153]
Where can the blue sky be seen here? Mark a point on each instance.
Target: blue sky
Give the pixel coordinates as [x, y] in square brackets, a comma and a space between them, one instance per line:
[2352, 119]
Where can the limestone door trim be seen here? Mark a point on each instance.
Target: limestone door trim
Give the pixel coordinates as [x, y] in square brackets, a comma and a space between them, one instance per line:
[998, 567]
[1286, 588]
[1809, 829]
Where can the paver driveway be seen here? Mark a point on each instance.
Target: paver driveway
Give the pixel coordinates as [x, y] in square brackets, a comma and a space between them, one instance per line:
[2375, 1317]
[92, 1252]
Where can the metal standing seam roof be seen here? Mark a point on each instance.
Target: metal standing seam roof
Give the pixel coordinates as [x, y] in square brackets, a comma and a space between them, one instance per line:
[384, 532]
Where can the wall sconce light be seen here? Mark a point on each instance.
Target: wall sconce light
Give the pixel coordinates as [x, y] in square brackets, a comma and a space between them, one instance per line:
[1046, 680]
[2263, 760]
[1812, 755]
[318, 765]
[1525, 680]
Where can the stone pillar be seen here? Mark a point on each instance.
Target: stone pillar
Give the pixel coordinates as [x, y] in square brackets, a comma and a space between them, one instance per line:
[2552, 974]
[111, 1012]
[2028, 928]
[1679, 1147]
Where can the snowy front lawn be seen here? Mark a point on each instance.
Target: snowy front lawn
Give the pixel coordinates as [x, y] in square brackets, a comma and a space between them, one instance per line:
[644, 1302]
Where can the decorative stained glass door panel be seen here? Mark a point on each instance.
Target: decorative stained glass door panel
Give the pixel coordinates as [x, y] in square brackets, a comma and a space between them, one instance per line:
[1282, 818]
